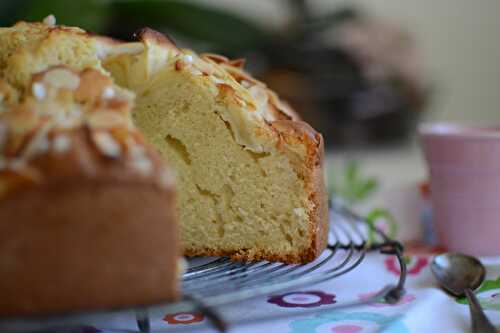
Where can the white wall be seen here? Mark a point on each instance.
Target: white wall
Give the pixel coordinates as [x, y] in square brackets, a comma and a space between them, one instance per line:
[460, 42]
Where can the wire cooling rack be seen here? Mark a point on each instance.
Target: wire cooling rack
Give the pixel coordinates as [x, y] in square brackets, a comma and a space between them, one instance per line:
[209, 284]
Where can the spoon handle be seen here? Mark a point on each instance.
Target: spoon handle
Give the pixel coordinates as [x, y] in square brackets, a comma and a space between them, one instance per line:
[480, 323]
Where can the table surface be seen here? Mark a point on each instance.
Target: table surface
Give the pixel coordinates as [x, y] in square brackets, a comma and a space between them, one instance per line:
[424, 307]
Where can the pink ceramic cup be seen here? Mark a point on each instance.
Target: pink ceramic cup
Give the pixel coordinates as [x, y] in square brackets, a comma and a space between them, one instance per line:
[464, 167]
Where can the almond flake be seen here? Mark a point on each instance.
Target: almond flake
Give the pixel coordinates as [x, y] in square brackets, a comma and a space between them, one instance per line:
[61, 143]
[259, 94]
[38, 90]
[167, 179]
[196, 71]
[246, 84]
[188, 58]
[39, 144]
[17, 164]
[137, 151]
[50, 20]
[216, 80]
[106, 47]
[108, 93]
[106, 120]
[68, 120]
[62, 78]
[107, 144]
[143, 165]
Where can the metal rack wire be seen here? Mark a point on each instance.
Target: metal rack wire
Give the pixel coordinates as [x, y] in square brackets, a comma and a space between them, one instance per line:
[210, 284]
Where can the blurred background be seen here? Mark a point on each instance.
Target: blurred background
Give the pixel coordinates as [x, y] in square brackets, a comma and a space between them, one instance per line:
[362, 72]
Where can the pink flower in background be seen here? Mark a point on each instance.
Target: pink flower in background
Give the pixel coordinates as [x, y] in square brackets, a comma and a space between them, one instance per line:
[183, 318]
[404, 300]
[414, 264]
[302, 299]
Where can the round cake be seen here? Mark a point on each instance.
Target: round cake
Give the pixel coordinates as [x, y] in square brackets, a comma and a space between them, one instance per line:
[87, 211]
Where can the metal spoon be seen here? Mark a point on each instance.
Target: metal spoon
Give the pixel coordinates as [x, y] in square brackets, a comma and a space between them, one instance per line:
[459, 275]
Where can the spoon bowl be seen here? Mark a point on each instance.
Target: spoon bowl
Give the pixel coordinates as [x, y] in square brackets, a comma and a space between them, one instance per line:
[457, 272]
[460, 274]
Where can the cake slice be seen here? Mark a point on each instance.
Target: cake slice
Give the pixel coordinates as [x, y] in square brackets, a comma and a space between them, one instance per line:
[249, 172]
[87, 209]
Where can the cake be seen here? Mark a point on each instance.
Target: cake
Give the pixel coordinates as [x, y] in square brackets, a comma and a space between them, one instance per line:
[87, 211]
[249, 172]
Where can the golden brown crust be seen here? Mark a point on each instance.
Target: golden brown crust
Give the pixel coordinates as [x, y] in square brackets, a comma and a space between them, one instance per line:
[79, 129]
[319, 219]
[87, 251]
[313, 174]
[146, 33]
[250, 255]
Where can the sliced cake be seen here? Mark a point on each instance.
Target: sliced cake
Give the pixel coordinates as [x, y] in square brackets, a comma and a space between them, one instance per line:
[249, 172]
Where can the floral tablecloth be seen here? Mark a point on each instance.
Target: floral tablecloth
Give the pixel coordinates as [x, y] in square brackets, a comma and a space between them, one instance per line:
[424, 307]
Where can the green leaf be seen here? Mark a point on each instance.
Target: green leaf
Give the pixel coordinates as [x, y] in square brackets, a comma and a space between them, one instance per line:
[352, 173]
[364, 189]
[91, 15]
[352, 187]
[204, 23]
[380, 213]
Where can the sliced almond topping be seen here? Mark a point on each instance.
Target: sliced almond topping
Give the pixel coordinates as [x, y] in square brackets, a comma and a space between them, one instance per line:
[38, 91]
[50, 20]
[167, 179]
[108, 93]
[17, 164]
[62, 78]
[143, 165]
[204, 67]
[106, 144]
[68, 120]
[106, 120]
[216, 80]
[196, 71]
[238, 63]
[215, 57]
[61, 143]
[92, 86]
[136, 151]
[39, 144]
[260, 95]
[188, 58]
[246, 84]
[107, 47]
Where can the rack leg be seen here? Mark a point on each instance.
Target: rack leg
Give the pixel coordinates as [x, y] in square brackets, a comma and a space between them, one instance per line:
[143, 323]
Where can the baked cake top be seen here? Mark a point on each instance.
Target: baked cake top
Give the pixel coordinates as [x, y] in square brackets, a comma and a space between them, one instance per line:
[72, 125]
